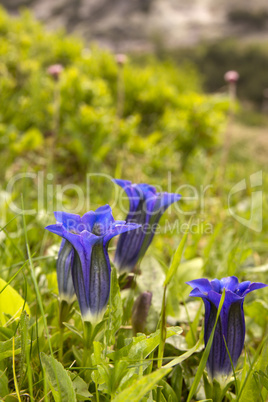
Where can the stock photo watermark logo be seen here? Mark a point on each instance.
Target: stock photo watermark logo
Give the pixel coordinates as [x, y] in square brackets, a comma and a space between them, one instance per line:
[244, 201]
[254, 222]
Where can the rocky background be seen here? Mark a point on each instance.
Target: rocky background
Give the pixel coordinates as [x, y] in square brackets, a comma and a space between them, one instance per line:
[129, 25]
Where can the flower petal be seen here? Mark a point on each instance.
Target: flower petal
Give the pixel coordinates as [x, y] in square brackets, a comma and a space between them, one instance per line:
[64, 274]
[57, 229]
[117, 229]
[88, 220]
[254, 286]
[103, 220]
[99, 283]
[231, 283]
[235, 336]
[69, 221]
[202, 284]
[167, 199]
[231, 323]
[133, 196]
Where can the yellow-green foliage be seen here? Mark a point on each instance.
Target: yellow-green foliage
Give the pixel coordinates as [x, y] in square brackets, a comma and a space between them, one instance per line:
[161, 105]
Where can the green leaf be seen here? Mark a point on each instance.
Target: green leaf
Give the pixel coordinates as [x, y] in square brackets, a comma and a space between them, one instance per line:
[6, 348]
[58, 379]
[168, 391]
[6, 333]
[177, 381]
[177, 257]
[73, 329]
[10, 302]
[206, 400]
[250, 389]
[263, 378]
[24, 324]
[140, 388]
[96, 360]
[3, 384]
[80, 387]
[115, 309]
[185, 355]
[143, 344]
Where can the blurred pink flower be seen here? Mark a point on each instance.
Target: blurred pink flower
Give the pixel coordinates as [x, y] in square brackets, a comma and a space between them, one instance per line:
[55, 70]
[121, 58]
[231, 76]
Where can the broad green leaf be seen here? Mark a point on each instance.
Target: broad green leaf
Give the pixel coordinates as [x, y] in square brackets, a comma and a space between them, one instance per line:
[58, 379]
[3, 384]
[140, 388]
[10, 302]
[6, 348]
[96, 360]
[143, 344]
[80, 387]
[97, 347]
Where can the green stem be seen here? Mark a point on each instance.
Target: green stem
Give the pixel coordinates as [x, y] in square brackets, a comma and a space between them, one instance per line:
[88, 331]
[97, 392]
[163, 330]
[56, 110]
[61, 331]
[216, 392]
[120, 92]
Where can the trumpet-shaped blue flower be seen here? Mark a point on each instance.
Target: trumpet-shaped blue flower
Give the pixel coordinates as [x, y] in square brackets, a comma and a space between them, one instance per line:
[231, 322]
[146, 207]
[64, 272]
[88, 260]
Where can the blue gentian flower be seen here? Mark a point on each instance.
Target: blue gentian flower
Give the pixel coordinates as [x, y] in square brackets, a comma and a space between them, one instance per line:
[231, 322]
[146, 207]
[64, 272]
[89, 237]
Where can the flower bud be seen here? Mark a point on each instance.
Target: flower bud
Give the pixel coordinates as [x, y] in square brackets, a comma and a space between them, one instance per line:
[231, 76]
[121, 59]
[140, 311]
[55, 70]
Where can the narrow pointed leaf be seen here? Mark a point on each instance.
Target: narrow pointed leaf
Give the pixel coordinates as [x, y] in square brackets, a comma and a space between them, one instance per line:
[140, 388]
[185, 355]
